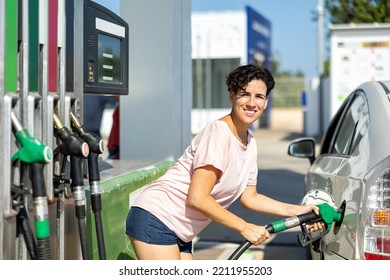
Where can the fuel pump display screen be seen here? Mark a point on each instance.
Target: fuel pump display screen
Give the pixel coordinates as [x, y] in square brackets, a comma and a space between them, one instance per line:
[105, 51]
[109, 54]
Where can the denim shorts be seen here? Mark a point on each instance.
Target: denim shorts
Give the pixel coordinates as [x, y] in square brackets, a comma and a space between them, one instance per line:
[144, 226]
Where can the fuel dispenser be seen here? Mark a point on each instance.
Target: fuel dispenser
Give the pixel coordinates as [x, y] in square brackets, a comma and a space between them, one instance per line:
[104, 71]
[46, 67]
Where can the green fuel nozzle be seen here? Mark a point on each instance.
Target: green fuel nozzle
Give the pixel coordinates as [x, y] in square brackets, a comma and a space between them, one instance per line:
[327, 214]
[32, 150]
[34, 153]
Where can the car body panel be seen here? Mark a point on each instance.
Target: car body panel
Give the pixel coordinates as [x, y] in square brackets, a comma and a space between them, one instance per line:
[354, 150]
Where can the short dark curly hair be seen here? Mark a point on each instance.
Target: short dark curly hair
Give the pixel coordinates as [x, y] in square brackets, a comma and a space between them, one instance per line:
[242, 75]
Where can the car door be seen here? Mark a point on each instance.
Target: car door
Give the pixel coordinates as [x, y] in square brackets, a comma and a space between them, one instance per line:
[342, 158]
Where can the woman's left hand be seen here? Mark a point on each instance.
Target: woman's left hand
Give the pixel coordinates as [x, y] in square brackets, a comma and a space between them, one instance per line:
[308, 208]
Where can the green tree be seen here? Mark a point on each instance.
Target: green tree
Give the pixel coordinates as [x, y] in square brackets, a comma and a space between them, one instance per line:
[358, 11]
[275, 62]
[277, 71]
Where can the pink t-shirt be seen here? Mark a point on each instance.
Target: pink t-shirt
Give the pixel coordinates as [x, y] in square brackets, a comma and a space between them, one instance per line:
[217, 146]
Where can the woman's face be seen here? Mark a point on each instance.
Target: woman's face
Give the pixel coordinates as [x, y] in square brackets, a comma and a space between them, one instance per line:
[249, 103]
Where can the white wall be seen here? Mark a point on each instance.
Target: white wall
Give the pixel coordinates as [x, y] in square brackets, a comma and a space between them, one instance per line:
[359, 53]
[219, 35]
[311, 125]
[156, 115]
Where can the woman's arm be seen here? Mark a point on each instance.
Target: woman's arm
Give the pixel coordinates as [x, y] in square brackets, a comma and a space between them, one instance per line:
[203, 181]
[252, 200]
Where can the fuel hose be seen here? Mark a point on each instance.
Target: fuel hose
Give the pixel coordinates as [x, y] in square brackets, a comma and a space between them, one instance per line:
[95, 149]
[76, 149]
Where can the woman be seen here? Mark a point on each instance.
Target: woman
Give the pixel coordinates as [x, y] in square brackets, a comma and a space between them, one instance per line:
[218, 167]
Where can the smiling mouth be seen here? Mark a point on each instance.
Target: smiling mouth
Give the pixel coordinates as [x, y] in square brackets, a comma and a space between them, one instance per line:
[250, 112]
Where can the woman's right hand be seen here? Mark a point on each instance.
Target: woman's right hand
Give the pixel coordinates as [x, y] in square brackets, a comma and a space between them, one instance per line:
[255, 234]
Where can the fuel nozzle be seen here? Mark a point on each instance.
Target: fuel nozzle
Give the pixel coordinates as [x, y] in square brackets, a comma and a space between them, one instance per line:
[71, 144]
[74, 147]
[95, 144]
[34, 153]
[32, 150]
[96, 148]
[329, 214]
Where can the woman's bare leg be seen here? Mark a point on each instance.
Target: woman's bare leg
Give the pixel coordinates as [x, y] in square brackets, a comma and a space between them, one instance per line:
[186, 256]
[145, 251]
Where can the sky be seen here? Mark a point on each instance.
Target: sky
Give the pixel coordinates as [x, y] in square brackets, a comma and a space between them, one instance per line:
[294, 30]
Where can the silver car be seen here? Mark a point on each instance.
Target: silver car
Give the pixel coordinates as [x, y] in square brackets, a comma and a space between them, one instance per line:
[353, 167]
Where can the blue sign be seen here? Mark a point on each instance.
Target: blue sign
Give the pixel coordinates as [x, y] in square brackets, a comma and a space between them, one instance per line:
[259, 39]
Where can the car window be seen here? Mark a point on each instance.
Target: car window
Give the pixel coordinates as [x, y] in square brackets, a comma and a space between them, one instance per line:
[362, 125]
[353, 126]
[326, 143]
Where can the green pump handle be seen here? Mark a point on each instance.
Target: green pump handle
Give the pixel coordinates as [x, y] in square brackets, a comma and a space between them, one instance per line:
[32, 150]
[327, 215]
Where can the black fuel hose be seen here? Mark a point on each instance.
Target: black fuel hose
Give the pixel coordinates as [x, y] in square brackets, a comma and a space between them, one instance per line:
[96, 201]
[25, 229]
[78, 191]
[96, 148]
[41, 211]
[76, 149]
